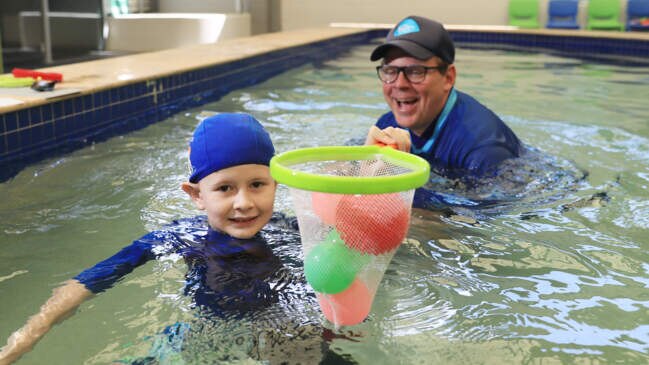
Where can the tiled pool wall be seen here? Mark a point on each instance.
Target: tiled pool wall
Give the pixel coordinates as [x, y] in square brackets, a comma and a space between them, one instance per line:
[617, 50]
[33, 133]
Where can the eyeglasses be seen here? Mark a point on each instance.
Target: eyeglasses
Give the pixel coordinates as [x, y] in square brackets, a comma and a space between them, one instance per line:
[414, 73]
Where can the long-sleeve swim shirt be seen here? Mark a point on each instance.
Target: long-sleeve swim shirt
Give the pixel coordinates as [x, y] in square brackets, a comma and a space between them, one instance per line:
[466, 138]
[224, 273]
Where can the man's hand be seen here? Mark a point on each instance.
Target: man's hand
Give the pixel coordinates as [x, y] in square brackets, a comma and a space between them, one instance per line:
[389, 136]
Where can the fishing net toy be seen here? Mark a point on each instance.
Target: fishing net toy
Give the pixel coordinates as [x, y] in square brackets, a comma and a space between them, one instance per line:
[353, 208]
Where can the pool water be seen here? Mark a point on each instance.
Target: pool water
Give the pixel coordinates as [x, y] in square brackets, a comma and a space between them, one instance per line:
[560, 275]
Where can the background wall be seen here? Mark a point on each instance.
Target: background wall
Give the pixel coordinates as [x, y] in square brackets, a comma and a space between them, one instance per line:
[296, 14]
[259, 10]
[276, 15]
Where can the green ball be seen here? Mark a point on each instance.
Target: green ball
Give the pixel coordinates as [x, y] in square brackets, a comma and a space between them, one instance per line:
[331, 266]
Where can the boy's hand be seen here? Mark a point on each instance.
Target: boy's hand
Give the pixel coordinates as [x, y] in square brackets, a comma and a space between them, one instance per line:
[389, 136]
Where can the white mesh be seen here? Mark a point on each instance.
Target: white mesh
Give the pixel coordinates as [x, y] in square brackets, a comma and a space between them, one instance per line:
[360, 232]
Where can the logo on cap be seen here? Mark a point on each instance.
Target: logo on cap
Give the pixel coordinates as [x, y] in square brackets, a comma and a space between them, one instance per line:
[405, 27]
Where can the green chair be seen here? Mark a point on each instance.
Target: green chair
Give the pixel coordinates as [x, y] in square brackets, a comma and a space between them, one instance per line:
[604, 15]
[524, 13]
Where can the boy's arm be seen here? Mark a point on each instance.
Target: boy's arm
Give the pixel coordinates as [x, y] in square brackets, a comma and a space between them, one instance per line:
[64, 300]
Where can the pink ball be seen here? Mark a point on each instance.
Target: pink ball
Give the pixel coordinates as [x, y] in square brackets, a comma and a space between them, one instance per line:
[349, 307]
[324, 206]
[372, 224]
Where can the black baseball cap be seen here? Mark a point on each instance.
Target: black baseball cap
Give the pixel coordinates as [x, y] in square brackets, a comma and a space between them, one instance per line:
[419, 37]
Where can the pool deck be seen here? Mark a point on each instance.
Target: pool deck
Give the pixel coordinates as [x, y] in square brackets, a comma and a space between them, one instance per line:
[88, 77]
[92, 76]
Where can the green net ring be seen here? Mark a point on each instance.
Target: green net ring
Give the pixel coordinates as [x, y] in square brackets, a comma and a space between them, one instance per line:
[280, 169]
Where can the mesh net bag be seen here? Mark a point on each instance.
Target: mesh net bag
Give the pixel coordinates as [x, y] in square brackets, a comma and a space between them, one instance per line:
[353, 209]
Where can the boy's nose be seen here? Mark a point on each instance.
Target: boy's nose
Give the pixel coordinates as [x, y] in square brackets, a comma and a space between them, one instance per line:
[243, 200]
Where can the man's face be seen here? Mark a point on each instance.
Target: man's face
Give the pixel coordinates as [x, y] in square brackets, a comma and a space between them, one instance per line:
[238, 200]
[415, 106]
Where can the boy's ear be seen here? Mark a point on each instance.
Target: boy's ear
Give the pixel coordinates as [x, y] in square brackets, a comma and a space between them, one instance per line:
[194, 192]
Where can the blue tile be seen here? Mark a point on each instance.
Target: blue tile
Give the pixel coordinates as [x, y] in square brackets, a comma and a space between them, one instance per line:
[3, 144]
[78, 122]
[122, 93]
[68, 107]
[78, 104]
[35, 115]
[37, 135]
[130, 107]
[11, 121]
[87, 102]
[13, 142]
[139, 89]
[114, 95]
[48, 131]
[46, 111]
[26, 139]
[96, 100]
[104, 99]
[62, 128]
[87, 117]
[96, 116]
[121, 110]
[130, 92]
[23, 118]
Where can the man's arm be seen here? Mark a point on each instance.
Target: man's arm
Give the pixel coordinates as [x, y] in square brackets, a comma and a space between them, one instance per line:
[64, 300]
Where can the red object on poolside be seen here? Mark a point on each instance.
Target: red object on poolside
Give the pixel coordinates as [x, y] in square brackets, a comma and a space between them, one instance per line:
[50, 76]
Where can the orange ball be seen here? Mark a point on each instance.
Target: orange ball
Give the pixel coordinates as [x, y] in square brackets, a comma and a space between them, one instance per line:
[349, 307]
[324, 205]
[373, 224]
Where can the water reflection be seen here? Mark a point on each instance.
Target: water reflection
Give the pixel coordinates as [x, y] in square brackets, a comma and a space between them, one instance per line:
[549, 266]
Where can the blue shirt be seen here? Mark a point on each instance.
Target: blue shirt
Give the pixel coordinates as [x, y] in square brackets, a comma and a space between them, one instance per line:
[466, 138]
[224, 273]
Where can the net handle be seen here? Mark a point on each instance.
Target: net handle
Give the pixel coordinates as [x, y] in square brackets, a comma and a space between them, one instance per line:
[281, 171]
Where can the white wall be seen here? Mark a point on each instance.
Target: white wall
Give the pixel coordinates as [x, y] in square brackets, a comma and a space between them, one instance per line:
[296, 14]
[142, 32]
[259, 10]
[196, 6]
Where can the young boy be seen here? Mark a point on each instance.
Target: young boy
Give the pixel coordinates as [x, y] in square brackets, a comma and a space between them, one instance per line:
[229, 263]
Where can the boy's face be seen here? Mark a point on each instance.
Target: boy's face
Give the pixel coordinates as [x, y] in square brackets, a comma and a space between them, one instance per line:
[238, 200]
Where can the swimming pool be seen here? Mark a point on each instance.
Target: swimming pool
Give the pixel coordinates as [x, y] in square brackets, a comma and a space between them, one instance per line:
[562, 280]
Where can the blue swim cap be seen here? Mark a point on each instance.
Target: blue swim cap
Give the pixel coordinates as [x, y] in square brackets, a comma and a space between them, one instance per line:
[226, 140]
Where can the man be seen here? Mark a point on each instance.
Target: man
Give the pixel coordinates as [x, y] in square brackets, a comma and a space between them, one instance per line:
[429, 117]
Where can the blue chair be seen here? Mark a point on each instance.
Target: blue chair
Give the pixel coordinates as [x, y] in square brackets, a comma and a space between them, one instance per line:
[562, 14]
[637, 15]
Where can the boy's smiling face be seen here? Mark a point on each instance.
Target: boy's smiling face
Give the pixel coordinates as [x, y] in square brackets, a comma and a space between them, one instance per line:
[238, 200]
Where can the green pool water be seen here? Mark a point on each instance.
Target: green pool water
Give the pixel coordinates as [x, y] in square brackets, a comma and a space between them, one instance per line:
[562, 280]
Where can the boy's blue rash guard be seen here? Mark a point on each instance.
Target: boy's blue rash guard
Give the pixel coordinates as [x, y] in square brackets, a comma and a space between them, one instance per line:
[224, 273]
[467, 137]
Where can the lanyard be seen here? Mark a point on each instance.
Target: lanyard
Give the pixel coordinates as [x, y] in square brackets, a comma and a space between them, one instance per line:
[452, 98]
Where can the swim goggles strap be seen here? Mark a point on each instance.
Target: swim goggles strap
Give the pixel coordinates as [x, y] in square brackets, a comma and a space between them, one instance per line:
[452, 98]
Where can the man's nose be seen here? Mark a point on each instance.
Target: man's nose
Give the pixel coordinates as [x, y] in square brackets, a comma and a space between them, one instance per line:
[402, 80]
